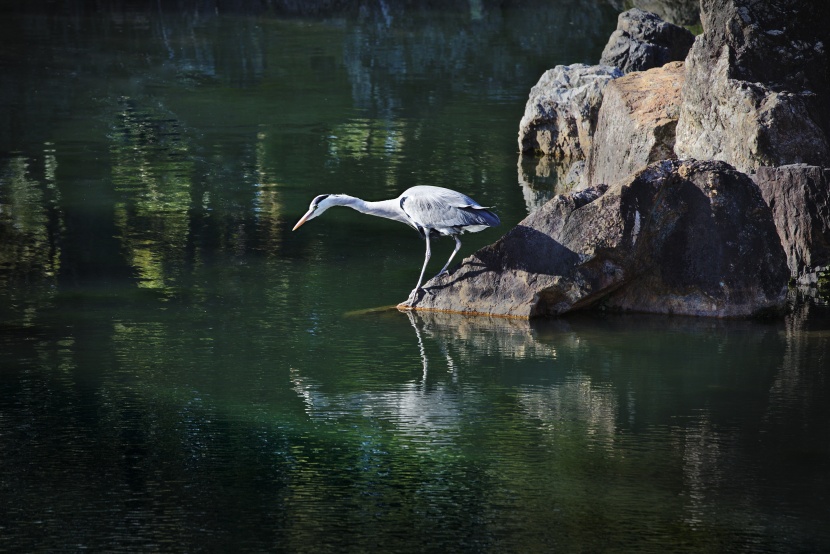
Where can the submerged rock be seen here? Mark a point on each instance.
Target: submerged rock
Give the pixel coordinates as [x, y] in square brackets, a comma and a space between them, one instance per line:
[636, 123]
[757, 87]
[682, 237]
[799, 197]
[644, 41]
[561, 112]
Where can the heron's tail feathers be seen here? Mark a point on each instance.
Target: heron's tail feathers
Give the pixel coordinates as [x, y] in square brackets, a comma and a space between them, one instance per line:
[482, 215]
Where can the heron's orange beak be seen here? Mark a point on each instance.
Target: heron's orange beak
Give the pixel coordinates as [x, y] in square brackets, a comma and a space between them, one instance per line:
[302, 220]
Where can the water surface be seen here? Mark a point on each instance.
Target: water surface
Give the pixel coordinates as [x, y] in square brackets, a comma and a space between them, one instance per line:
[181, 372]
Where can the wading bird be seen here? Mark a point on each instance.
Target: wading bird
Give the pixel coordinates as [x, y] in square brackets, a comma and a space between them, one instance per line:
[432, 211]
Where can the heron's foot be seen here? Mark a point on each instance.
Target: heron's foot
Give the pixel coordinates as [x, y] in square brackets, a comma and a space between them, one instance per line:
[413, 296]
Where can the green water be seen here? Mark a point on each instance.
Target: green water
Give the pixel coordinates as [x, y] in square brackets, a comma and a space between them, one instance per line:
[181, 372]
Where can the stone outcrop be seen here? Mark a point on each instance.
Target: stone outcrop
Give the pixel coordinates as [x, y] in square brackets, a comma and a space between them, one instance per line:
[561, 113]
[636, 123]
[679, 237]
[644, 41]
[757, 85]
[799, 197]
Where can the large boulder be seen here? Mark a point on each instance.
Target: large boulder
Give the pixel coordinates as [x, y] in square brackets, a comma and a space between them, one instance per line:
[757, 84]
[636, 123]
[561, 112]
[684, 237]
[799, 197]
[643, 41]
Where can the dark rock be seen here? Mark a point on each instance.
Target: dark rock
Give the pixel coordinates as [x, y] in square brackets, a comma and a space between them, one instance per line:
[679, 237]
[636, 123]
[679, 12]
[561, 112]
[757, 88]
[643, 41]
[714, 250]
[799, 197]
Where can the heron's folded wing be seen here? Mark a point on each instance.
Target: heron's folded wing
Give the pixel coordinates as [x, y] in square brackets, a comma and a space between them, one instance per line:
[443, 210]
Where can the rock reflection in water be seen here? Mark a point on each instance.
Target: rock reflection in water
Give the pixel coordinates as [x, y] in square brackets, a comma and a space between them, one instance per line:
[688, 405]
[543, 178]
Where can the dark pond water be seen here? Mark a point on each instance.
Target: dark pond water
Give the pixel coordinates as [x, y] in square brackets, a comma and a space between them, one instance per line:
[181, 372]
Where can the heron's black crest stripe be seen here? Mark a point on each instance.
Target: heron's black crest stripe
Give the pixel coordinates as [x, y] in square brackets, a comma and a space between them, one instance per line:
[318, 199]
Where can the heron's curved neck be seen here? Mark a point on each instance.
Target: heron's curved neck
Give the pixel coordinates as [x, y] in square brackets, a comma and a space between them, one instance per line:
[390, 209]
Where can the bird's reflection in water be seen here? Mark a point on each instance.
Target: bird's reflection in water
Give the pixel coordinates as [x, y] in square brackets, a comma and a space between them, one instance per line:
[428, 415]
[455, 352]
[415, 321]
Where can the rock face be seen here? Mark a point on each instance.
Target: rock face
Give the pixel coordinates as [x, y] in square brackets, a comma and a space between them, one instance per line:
[757, 84]
[561, 112]
[679, 237]
[643, 41]
[799, 197]
[636, 123]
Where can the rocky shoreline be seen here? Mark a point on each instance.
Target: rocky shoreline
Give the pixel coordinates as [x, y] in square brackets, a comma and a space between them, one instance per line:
[699, 171]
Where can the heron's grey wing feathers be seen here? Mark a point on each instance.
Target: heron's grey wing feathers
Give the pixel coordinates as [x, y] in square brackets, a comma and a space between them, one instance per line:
[440, 208]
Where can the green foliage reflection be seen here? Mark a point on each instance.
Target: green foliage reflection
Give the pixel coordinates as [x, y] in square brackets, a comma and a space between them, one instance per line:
[152, 171]
[29, 248]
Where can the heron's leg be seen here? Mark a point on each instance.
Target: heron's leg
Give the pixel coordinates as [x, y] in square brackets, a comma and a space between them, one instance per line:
[454, 252]
[423, 269]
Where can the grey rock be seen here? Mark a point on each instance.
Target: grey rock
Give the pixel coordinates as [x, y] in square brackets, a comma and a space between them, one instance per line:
[636, 123]
[561, 111]
[683, 237]
[799, 197]
[644, 41]
[757, 91]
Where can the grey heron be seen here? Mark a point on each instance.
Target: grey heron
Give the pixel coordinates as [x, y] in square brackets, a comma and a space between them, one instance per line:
[432, 211]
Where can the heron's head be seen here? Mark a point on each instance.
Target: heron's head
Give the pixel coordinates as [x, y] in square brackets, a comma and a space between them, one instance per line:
[318, 205]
